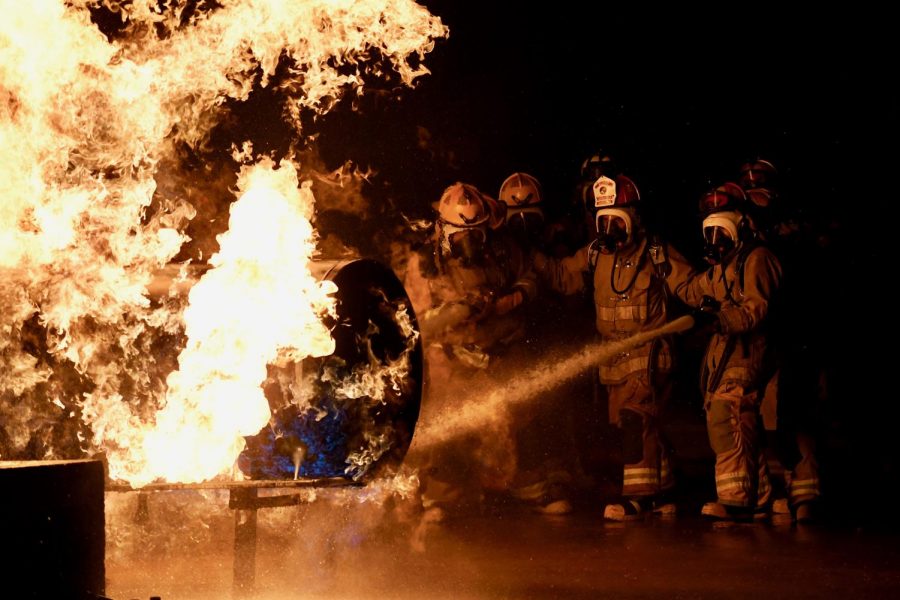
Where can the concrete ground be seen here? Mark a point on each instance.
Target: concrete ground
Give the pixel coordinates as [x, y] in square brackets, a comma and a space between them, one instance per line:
[510, 552]
[364, 548]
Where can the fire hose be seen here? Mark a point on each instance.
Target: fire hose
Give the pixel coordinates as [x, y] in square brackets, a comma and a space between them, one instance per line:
[473, 412]
[609, 350]
[451, 314]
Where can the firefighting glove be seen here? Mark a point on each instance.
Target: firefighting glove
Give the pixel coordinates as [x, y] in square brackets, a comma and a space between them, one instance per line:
[481, 305]
[707, 314]
[508, 302]
[539, 261]
[472, 355]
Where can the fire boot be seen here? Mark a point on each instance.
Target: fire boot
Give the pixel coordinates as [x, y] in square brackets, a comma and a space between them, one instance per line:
[722, 512]
[627, 509]
[806, 512]
[664, 505]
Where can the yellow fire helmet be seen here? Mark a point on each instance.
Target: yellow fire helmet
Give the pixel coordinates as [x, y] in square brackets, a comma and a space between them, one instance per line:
[520, 190]
[463, 205]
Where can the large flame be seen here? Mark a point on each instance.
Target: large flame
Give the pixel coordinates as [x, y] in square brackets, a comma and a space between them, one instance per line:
[258, 305]
[85, 120]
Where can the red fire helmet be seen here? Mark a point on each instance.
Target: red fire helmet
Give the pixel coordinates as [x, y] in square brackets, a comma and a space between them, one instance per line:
[726, 197]
[620, 192]
[757, 173]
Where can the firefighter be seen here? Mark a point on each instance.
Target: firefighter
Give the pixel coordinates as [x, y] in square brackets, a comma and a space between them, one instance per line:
[544, 480]
[597, 165]
[736, 292]
[633, 275]
[573, 228]
[757, 179]
[790, 403]
[466, 285]
[524, 214]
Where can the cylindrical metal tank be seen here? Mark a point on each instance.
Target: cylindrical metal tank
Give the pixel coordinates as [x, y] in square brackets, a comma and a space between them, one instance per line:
[351, 414]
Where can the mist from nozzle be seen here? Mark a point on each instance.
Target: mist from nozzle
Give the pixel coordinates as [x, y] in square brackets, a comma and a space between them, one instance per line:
[478, 409]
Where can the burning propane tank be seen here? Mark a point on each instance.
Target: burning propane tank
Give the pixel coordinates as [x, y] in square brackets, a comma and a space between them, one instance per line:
[352, 413]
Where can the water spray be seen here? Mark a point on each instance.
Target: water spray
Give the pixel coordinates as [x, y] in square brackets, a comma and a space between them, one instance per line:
[473, 412]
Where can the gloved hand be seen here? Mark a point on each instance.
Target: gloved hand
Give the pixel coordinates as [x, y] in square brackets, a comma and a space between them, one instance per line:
[508, 302]
[707, 314]
[539, 261]
[481, 304]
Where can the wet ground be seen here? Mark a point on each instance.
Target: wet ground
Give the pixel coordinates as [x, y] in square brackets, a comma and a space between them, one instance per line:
[580, 557]
[335, 548]
[513, 553]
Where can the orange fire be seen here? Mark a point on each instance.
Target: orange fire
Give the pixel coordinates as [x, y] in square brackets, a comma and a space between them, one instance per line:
[84, 122]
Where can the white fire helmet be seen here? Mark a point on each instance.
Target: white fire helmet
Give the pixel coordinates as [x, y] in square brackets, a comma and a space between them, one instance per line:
[727, 222]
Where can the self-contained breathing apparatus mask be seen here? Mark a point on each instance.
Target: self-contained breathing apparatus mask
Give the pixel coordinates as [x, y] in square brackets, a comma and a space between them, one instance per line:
[615, 201]
[613, 226]
[468, 244]
[526, 225]
[721, 236]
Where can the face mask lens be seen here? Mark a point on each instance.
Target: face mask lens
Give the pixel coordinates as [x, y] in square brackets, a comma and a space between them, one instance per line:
[718, 244]
[526, 225]
[612, 232]
[611, 225]
[717, 235]
[467, 244]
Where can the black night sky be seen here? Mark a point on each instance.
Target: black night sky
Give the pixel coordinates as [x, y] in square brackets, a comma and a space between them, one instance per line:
[678, 96]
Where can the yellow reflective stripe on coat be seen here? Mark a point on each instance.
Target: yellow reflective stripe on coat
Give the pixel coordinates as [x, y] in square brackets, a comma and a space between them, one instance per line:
[626, 312]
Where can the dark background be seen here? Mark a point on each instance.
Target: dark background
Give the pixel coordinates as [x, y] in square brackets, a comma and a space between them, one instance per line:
[679, 97]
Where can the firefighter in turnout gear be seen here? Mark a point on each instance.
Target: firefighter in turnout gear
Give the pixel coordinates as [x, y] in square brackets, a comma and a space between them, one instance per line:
[597, 165]
[521, 194]
[466, 285]
[544, 480]
[570, 230]
[736, 293]
[790, 406]
[633, 276]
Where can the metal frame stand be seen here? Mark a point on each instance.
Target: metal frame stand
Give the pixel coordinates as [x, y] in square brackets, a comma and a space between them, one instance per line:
[245, 501]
